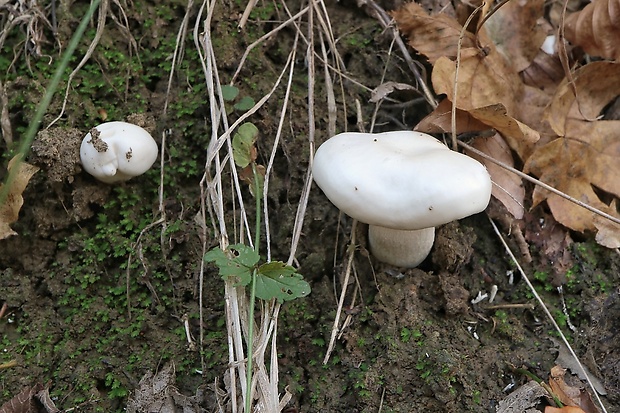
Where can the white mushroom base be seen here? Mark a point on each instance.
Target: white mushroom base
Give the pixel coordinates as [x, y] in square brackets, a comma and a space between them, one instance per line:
[400, 248]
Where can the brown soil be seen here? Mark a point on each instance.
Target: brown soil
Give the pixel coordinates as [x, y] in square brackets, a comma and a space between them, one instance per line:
[95, 303]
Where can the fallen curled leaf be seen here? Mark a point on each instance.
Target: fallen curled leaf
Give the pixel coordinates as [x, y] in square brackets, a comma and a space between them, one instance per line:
[575, 400]
[35, 399]
[565, 393]
[544, 73]
[9, 209]
[584, 159]
[157, 393]
[518, 135]
[516, 31]
[440, 120]
[608, 234]
[433, 36]
[507, 187]
[383, 90]
[21, 402]
[596, 28]
[523, 399]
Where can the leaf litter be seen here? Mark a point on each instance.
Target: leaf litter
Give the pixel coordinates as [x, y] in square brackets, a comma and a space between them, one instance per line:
[548, 121]
[507, 83]
[9, 208]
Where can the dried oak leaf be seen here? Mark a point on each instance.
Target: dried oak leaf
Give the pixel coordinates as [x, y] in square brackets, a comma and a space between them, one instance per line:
[489, 90]
[484, 79]
[9, 210]
[596, 28]
[544, 73]
[585, 156]
[517, 32]
[433, 36]
[486, 83]
[440, 120]
[508, 187]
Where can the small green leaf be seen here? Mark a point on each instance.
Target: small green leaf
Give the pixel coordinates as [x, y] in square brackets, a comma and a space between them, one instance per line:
[238, 260]
[243, 143]
[246, 103]
[229, 93]
[280, 281]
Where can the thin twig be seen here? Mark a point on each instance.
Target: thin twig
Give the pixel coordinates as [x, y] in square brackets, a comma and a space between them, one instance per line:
[539, 183]
[548, 314]
[103, 13]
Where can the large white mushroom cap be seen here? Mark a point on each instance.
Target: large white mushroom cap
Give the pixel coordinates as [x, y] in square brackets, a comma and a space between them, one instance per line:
[403, 180]
[120, 151]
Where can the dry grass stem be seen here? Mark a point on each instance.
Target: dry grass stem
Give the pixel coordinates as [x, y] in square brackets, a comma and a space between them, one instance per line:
[219, 169]
[343, 293]
[549, 315]
[103, 14]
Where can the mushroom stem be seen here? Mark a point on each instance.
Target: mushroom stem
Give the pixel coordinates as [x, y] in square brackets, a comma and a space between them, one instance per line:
[400, 248]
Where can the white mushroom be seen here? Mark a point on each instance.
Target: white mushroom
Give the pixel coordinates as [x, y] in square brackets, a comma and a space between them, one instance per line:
[117, 151]
[402, 184]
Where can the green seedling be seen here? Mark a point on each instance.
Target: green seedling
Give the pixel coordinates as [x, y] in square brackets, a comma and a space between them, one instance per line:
[230, 94]
[274, 280]
[239, 263]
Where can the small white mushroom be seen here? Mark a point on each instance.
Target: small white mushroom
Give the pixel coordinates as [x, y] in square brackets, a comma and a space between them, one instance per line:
[117, 151]
[402, 184]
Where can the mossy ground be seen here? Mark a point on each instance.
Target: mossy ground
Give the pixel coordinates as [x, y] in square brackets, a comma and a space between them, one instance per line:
[97, 293]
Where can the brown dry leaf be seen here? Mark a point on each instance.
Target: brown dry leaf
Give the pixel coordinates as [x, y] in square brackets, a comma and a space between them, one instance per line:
[489, 90]
[484, 79]
[586, 154]
[35, 399]
[516, 31]
[22, 402]
[545, 72]
[597, 84]
[519, 136]
[523, 399]
[608, 234]
[565, 393]
[488, 87]
[433, 36]
[575, 400]
[534, 102]
[508, 187]
[440, 120]
[9, 210]
[596, 28]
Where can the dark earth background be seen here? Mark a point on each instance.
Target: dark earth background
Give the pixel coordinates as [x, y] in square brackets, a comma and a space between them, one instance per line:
[91, 311]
